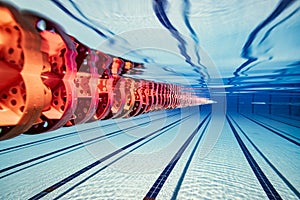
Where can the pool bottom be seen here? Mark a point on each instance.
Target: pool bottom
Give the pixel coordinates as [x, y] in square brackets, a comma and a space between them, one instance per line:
[250, 148]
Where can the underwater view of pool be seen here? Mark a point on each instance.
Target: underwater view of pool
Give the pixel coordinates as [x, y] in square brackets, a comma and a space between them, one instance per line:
[241, 55]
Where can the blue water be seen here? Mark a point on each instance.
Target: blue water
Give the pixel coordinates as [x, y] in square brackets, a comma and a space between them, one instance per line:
[242, 54]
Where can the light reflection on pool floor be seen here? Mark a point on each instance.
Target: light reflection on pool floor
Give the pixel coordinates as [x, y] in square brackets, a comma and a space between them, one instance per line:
[225, 173]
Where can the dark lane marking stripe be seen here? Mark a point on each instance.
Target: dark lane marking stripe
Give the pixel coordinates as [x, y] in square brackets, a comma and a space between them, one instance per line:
[279, 121]
[156, 187]
[75, 145]
[42, 161]
[57, 155]
[269, 162]
[276, 129]
[29, 144]
[273, 131]
[34, 143]
[83, 170]
[114, 161]
[261, 177]
[179, 183]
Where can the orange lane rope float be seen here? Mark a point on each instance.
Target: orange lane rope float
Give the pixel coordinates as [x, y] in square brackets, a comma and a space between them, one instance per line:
[49, 79]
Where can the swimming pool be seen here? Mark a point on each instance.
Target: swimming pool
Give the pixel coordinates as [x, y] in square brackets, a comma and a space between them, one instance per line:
[243, 55]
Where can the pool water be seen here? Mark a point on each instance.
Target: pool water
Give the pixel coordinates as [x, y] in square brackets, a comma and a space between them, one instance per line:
[244, 55]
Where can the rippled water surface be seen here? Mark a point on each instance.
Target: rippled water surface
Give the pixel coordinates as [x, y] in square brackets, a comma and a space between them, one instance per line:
[245, 53]
[251, 44]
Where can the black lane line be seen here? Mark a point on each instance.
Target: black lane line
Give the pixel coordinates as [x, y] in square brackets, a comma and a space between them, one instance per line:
[75, 145]
[179, 183]
[272, 127]
[42, 141]
[279, 121]
[156, 187]
[69, 151]
[83, 170]
[269, 162]
[114, 161]
[293, 117]
[30, 144]
[261, 177]
[55, 156]
[273, 131]
[276, 129]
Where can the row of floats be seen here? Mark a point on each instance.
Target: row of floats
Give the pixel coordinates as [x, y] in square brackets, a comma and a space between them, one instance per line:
[49, 79]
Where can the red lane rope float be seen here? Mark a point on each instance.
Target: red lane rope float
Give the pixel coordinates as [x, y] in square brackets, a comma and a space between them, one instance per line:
[59, 71]
[20, 103]
[49, 79]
